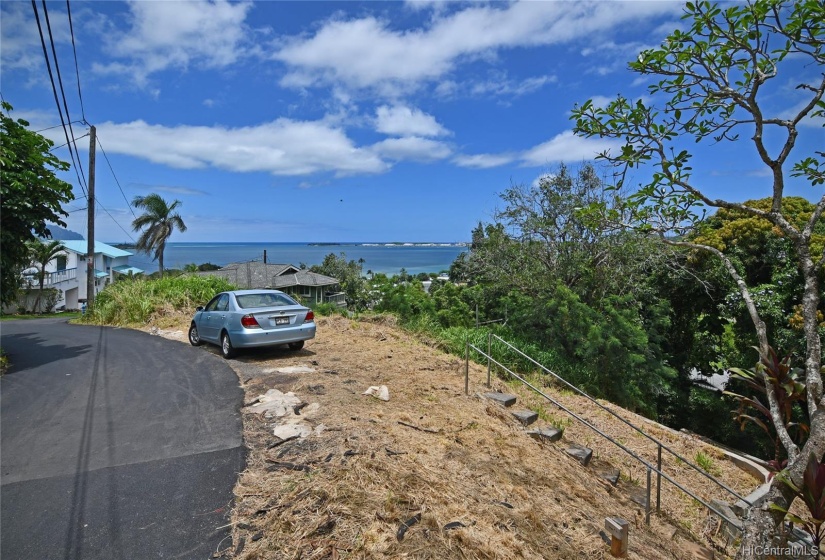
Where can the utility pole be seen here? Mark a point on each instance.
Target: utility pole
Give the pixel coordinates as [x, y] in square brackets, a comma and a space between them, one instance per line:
[90, 227]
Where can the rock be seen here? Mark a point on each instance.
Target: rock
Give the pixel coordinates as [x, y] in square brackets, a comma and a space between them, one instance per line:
[290, 370]
[526, 417]
[501, 398]
[731, 526]
[545, 434]
[381, 393]
[274, 404]
[287, 431]
[581, 454]
[740, 507]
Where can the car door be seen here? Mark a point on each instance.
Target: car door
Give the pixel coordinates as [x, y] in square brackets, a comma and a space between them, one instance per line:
[210, 321]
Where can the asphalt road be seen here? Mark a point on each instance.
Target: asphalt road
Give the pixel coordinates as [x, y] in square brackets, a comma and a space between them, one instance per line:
[114, 444]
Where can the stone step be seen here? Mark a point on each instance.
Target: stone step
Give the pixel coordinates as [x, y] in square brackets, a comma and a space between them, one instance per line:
[580, 453]
[547, 435]
[526, 417]
[501, 398]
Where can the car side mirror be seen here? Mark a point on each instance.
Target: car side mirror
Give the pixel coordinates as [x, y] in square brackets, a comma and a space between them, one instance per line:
[199, 308]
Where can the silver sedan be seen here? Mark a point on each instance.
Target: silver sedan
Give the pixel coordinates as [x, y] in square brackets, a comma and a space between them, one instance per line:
[252, 318]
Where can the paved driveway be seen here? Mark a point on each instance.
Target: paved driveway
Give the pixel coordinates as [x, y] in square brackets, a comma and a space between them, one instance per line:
[114, 445]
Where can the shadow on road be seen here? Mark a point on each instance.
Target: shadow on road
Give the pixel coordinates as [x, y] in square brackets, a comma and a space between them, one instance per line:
[30, 350]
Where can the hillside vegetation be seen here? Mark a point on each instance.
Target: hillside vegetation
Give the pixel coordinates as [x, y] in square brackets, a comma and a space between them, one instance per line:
[437, 456]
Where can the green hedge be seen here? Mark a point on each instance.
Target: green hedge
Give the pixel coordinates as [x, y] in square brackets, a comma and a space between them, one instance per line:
[135, 300]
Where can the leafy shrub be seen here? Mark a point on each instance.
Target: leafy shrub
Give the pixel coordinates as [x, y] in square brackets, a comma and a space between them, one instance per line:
[130, 302]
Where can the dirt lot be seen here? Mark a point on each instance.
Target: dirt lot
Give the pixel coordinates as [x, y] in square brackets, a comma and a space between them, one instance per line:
[434, 473]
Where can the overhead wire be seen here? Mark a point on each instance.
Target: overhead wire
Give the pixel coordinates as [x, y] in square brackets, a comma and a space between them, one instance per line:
[76, 68]
[58, 125]
[106, 157]
[54, 91]
[63, 145]
[115, 221]
[60, 82]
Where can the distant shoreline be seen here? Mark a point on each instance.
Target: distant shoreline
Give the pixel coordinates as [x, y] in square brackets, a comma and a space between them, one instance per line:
[131, 245]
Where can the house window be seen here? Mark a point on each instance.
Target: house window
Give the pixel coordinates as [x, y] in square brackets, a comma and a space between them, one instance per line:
[61, 262]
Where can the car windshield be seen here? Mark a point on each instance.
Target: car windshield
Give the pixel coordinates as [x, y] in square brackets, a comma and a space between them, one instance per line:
[264, 299]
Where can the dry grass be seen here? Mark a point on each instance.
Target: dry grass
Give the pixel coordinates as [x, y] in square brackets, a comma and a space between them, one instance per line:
[441, 455]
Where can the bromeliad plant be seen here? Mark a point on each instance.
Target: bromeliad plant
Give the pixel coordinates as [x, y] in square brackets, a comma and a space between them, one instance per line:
[788, 388]
[812, 493]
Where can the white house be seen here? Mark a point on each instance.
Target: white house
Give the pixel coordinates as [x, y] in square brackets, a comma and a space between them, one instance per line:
[67, 272]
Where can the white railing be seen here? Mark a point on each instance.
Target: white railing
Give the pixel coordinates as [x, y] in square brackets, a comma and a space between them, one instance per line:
[53, 278]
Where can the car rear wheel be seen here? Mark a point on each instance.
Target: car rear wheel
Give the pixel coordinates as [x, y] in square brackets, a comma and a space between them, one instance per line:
[296, 345]
[194, 336]
[227, 351]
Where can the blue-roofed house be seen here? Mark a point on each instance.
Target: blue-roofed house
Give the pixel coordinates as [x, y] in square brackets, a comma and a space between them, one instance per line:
[67, 272]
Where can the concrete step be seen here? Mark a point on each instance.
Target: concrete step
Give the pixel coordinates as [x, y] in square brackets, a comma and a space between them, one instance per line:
[526, 417]
[546, 435]
[580, 453]
[501, 398]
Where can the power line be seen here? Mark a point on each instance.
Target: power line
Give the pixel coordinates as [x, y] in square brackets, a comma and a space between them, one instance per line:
[115, 221]
[62, 145]
[76, 69]
[60, 82]
[57, 125]
[54, 91]
[106, 157]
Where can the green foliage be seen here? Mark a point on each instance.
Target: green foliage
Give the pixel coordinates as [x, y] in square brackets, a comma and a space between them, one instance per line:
[30, 196]
[705, 462]
[41, 254]
[134, 301]
[157, 222]
[789, 390]
[329, 309]
[812, 492]
[350, 275]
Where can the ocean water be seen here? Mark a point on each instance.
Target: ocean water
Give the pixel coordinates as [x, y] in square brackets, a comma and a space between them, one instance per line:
[387, 258]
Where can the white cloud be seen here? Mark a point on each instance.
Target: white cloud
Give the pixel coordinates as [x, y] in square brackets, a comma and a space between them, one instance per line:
[404, 121]
[281, 147]
[412, 148]
[368, 53]
[565, 146]
[544, 177]
[22, 48]
[170, 189]
[510, 88]
[483, 161]
[209, 33]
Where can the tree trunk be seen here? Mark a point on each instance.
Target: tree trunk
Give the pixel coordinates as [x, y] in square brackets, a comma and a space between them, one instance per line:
[763, 526]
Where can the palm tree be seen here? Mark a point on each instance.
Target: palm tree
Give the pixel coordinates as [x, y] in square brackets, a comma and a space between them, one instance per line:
[159, 221]
[41, 255]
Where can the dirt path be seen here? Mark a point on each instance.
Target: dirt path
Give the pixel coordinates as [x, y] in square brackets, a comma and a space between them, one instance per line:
[432, 472]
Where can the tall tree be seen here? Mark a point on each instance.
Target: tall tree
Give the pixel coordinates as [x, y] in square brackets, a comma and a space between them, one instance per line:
[31, 195]
[41, 255]
[160, 220]
[718, 78]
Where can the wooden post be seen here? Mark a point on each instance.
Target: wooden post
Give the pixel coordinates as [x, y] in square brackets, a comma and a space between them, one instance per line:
[90, 225]
[619, 535]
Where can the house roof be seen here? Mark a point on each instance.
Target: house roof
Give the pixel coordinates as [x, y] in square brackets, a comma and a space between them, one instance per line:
[303, 278]
[80, 246]
[269, 275]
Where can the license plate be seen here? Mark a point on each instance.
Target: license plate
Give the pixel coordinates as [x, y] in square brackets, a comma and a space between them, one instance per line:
[281, 320]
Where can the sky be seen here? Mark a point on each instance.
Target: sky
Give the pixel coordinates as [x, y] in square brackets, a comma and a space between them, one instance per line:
[342, 121]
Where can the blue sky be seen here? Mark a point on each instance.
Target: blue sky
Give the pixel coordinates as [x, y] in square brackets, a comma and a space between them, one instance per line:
[343, 121]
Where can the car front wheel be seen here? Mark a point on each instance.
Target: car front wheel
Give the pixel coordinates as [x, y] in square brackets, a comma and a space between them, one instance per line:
[194, 336]
[296, 345]
[227, 351]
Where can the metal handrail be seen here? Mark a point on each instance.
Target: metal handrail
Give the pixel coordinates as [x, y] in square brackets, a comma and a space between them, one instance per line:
[649, 466]
[628, 423]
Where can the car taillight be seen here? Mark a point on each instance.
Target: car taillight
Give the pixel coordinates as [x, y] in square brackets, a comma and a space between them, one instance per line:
[310, 317]
[250, 322]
